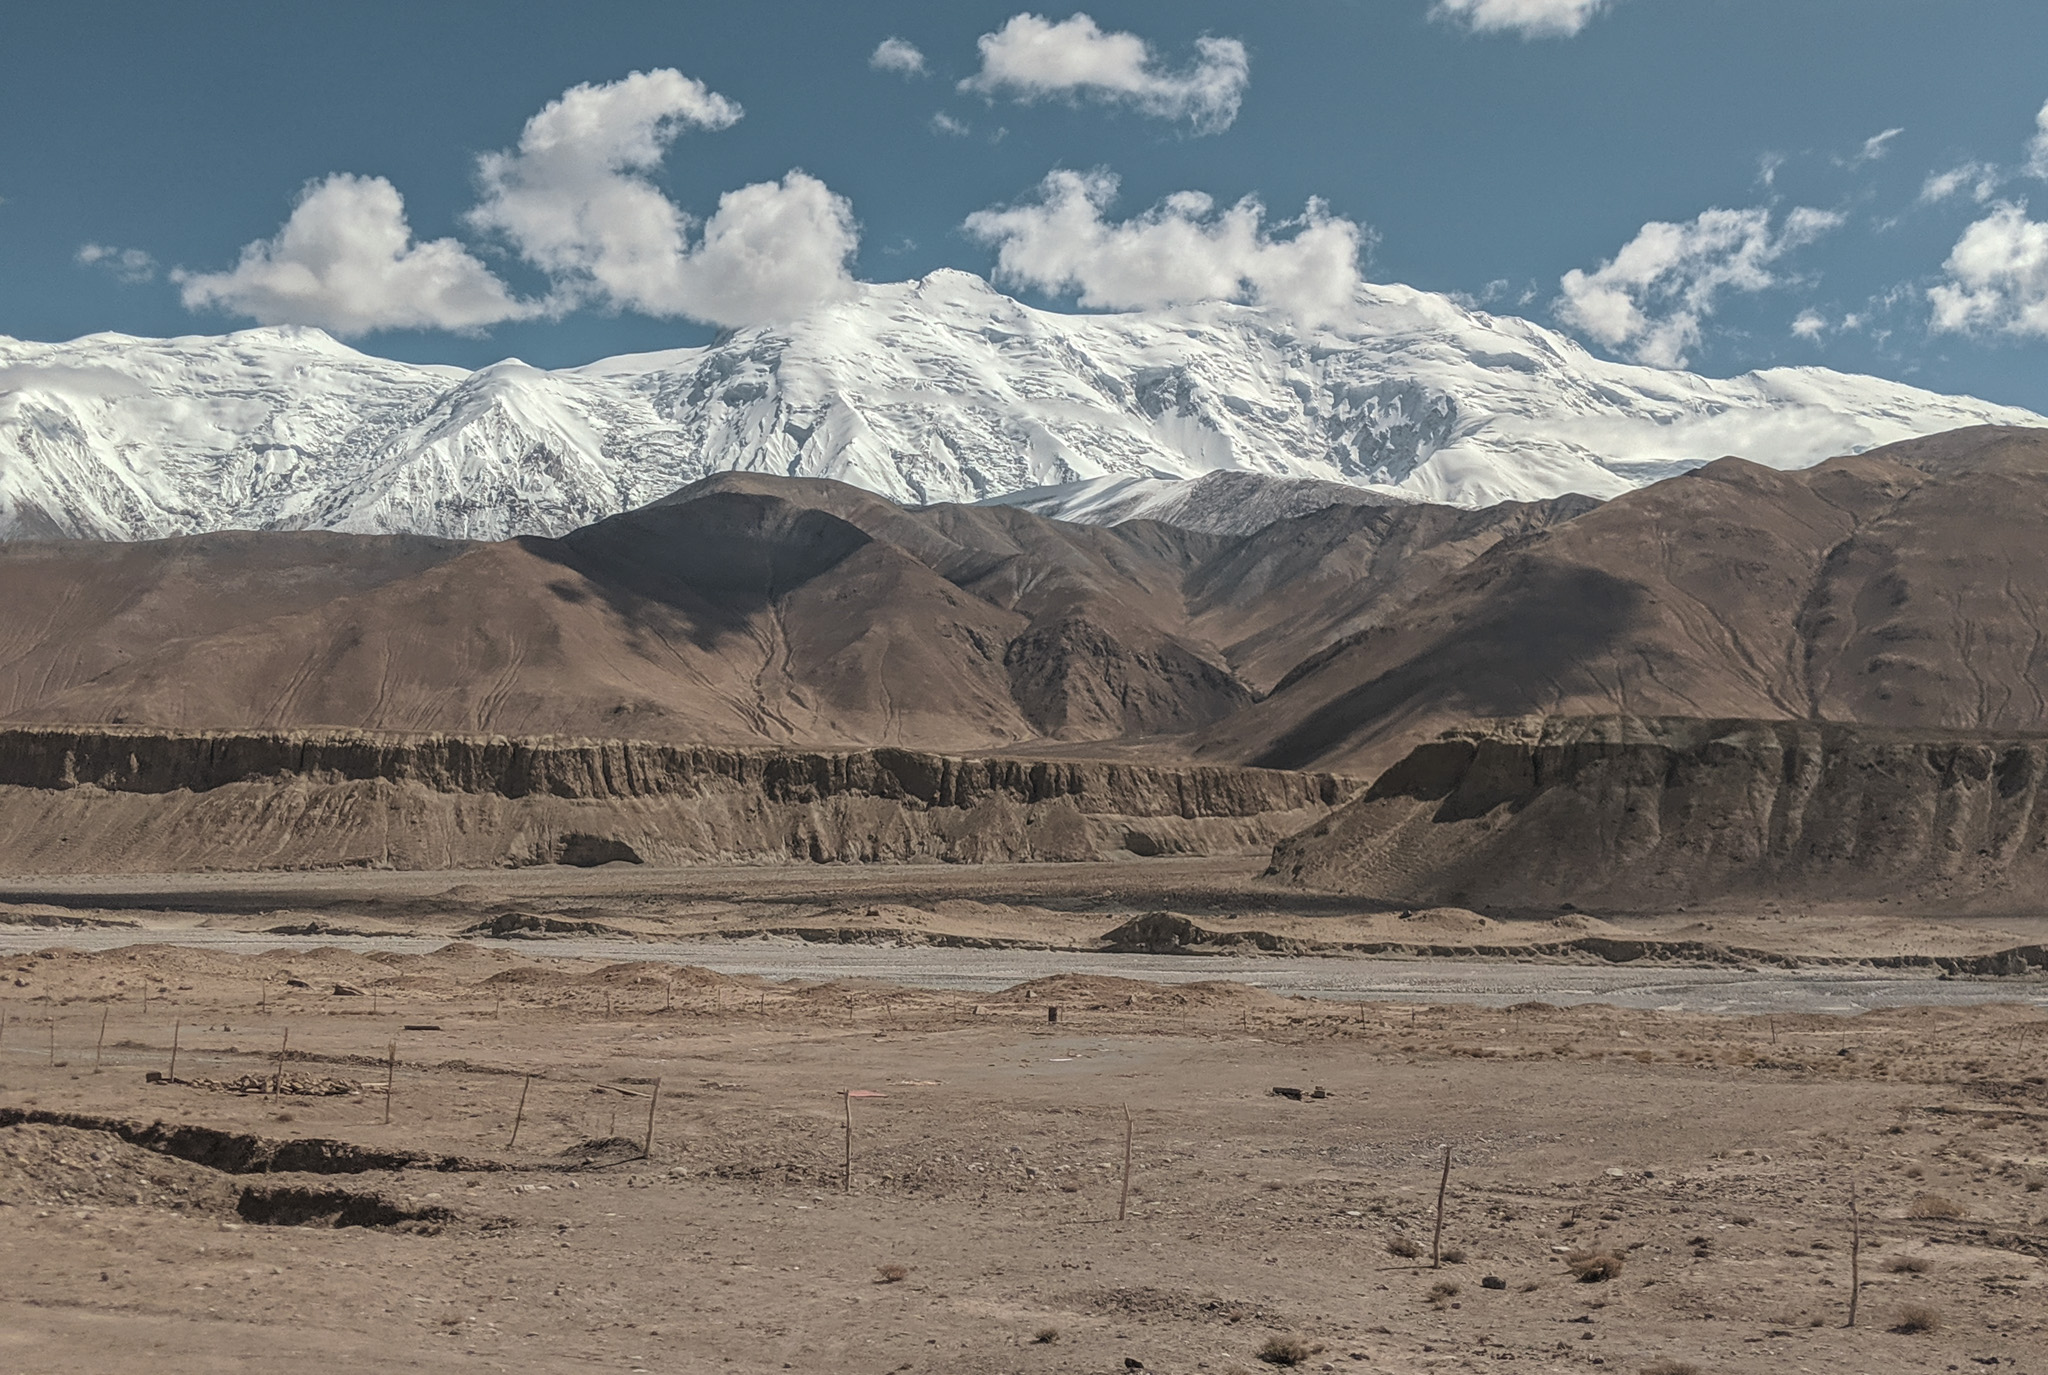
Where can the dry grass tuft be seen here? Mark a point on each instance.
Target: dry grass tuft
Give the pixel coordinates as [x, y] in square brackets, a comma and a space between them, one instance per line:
[1286, 1351]
[1443, 1291]
[1454, 1255]
[1908, 1265]
[1593, 1267]
[1934, 1207]
[1046, 1336]
[1407, 1248]
[1917, 1318]
[891, 1274]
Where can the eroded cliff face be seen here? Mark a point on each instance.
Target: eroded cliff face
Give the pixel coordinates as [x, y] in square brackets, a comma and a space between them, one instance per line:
[105, 799]
[1632, 814]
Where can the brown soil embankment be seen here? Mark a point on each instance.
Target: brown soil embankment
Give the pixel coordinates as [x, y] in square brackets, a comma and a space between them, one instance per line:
[106, 799]
[1633, 814]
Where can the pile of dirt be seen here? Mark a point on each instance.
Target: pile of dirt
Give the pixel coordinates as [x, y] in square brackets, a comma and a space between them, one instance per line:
[52, 1166]
[1628, 814]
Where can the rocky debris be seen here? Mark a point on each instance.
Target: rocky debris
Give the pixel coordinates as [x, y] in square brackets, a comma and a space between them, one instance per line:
[289, 1085]
[534, 926]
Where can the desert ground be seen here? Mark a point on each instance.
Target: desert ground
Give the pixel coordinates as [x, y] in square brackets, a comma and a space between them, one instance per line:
[253, 1209]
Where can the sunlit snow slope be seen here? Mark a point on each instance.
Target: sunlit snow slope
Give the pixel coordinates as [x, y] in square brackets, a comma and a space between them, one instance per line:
[937, 390]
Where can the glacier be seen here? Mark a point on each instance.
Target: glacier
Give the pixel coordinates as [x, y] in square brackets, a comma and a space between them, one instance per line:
[935, 390]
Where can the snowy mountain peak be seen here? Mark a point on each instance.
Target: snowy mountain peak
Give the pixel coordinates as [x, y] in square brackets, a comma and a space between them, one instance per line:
[939, 389]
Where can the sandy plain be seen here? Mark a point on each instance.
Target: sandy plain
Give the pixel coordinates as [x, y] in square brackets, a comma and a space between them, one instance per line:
[1711, 1156]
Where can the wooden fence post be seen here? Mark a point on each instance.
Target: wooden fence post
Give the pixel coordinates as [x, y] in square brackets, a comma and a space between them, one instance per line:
[1436, 1245]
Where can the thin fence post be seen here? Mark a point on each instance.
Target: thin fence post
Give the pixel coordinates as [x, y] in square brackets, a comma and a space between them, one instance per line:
[846, 1179]
[1855, 1251]
[176, 1027]
[100, 1044]
[653, 1101]
[277, 1079]
[390, 1077]
[1436, 1245]
[1123, 1202]
[53, 1040]
[519, 1115]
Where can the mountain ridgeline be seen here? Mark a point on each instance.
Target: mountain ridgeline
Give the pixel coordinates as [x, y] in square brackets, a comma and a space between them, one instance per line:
[938, 390]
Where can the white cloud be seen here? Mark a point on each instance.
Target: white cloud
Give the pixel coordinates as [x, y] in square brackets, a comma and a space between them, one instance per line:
[127, 264]
[1979, 178]
[1997, 277]
[575, 200]
[1651, 296]
[2037, 146]
[1529, 18]
[943, 123]
[1809, 324]
[1033, 58]
[1767, 168]
[1874, 148]
[346, 261]
[1180, 250]
[897, 55]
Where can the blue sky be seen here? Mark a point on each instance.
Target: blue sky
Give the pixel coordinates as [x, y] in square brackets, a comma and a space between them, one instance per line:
[1512, 151]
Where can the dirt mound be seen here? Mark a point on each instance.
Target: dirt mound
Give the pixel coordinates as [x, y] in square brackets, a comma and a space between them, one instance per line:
[53, 1166]
[1624, 814]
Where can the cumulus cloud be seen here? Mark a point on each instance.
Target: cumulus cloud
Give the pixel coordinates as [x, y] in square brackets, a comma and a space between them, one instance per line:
[1651, 296]
[346, 261]
[127, 264]
[897, 55]
[2037, 146]
[1997, 277]
[943, 123]
[1809, 324]
[1529, 18]
[1032, 58]
[575, 200]
[1980, 179]
[1181, 250]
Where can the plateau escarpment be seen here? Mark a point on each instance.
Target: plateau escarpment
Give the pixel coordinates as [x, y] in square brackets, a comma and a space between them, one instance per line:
[1616, 814]
[102, 800]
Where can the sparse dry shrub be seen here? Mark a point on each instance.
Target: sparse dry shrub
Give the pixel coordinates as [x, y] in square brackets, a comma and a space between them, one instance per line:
[1443, 1291]
[1917, 1318]
[1454, 1255]
[1046, 1336]
[1407, 1248]
[891, 1273]
[1593, 1267]
[1908, 1265]
[1934, 1207]
[1286, 1351]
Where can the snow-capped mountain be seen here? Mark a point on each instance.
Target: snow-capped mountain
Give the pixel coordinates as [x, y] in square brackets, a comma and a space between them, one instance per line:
[1229, 501]
[941, 389]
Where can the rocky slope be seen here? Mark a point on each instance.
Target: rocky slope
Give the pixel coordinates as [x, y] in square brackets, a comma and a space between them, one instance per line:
[1616, 814]
[743, 609]
[140, 801]
[941, 389]
[1907, 586]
